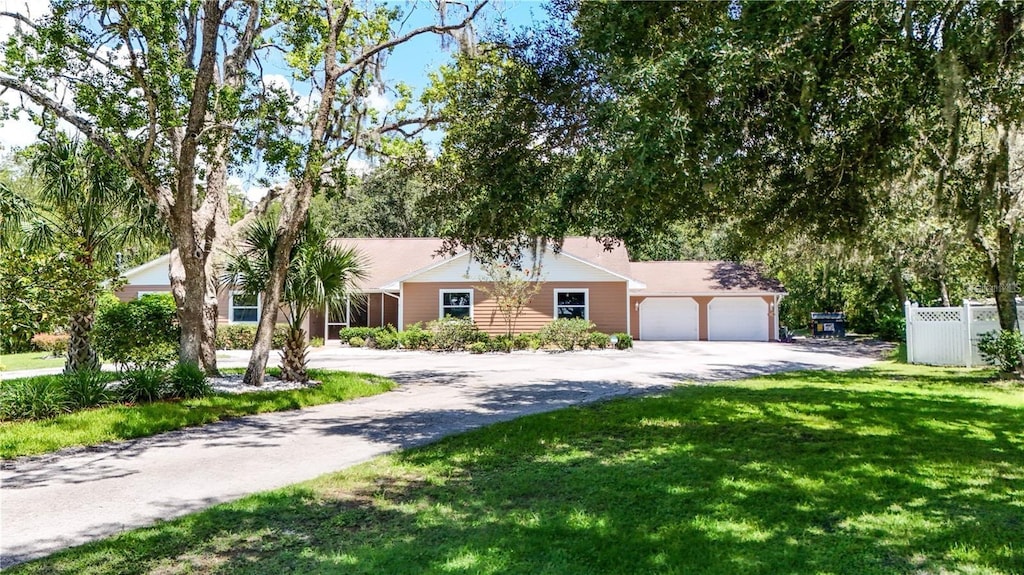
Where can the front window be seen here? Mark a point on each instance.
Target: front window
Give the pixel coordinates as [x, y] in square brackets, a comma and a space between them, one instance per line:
[456, 303]
[244, 308]
[570, 304]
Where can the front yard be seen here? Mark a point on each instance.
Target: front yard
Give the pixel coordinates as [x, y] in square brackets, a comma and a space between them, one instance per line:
[29, 360]
[122, 421]
[892, 469]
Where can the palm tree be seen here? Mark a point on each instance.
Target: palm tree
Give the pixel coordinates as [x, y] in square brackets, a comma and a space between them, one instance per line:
[319, 274]
[88, 208]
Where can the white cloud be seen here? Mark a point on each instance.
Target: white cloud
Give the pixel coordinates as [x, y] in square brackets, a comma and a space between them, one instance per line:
[379, 101]
[359, 166]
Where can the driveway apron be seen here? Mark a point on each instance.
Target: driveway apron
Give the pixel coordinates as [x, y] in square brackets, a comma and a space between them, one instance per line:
[51, 502]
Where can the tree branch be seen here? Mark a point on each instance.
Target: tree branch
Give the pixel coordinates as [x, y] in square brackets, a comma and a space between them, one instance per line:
[87, 128]
[365, 56]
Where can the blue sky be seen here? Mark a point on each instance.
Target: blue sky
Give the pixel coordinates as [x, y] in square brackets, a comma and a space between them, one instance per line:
[409, 63]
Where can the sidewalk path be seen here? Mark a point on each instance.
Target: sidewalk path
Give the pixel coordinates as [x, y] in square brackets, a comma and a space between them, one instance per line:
[55, 501]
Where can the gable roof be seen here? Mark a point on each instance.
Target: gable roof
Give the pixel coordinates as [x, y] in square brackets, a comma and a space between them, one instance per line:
[592, 251]
[388, 259]
[703, 278]
[153, 264]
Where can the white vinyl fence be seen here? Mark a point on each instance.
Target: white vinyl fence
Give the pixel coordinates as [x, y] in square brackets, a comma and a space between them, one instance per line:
[949, 335]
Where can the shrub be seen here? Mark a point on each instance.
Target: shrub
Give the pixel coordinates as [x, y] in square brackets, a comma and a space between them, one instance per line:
[187, 380]
[33, 398]
[243, 336]
[477, 347]
[384, 339]
[600, 340]
[356, 341]
[86, 388]
[316, 342]
[54, 343]
[141, 333]
[892, 328]
[502, 343]
[1003, 348]
[235, 336]
[143, 385]
[526, 341]
[452, 333]
[415, 337]
[363, 333]
[567, 334]
[625, 341]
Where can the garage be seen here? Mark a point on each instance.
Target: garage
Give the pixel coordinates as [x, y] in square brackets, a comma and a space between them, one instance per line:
[669, 319]
[738, 319]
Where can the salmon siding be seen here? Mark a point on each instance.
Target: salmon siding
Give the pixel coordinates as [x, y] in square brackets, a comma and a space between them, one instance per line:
[605, 303]
[408, 281]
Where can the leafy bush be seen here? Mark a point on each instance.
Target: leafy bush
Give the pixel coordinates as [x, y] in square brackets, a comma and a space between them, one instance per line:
[478, 347]
[141, 333]
[526, 341]
[356, 341]
[187, 380]
[143, 385]
[452, 333]
[600, 340]
[502, 343]
[415, 337]
[384, 339]
[54, 343]
[243, 336]
[567, 334]
[316, 342]
[1003, 348]
[363, 333]
[892, 328]
[86, 388]
[625, 341]
[33, 398]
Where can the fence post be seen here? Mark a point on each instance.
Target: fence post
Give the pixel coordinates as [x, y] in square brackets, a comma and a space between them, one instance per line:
[968, 345]
[909, 321]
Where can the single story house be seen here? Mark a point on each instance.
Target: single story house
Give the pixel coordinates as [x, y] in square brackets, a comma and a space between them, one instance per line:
[408, 282]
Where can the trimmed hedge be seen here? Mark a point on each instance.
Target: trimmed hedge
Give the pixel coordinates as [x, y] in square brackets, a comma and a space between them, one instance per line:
[142, 332]
[243, 336]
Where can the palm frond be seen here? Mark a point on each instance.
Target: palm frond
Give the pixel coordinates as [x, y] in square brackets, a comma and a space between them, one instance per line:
[14, 211]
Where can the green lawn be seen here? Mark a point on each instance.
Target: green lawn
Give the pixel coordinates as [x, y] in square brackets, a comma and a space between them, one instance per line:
[30, 360]
[893, 469]
[115, 422]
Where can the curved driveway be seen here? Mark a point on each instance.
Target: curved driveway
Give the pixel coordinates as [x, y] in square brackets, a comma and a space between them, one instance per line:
[55, 501]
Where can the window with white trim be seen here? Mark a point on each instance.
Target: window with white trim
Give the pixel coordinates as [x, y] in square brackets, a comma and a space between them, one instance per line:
[243, 308]
[456, 303]
[572, 303]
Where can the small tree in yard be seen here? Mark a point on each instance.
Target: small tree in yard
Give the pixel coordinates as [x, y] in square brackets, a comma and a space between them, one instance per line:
[1005, 349]
[512, 289]
[319, 274]
[86, 209]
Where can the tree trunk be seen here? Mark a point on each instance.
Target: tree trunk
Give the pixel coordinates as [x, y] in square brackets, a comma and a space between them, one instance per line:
[1005, 261]
[254, 372]
[295, 205]
[899, 287]
[943, 290]
[294, 356]
[192, 273]
[81, 354]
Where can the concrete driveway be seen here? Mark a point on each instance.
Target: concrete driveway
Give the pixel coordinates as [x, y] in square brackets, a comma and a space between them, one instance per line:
[55, 501]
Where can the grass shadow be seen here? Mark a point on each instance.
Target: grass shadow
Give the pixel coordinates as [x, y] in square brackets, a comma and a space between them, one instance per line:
[820, 472]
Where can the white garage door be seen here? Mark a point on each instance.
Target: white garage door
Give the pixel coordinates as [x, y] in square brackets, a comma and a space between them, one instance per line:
[668, 319]
[738, 319]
